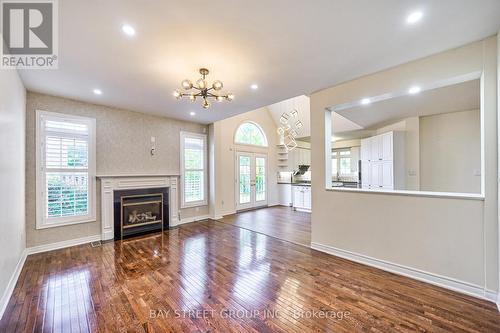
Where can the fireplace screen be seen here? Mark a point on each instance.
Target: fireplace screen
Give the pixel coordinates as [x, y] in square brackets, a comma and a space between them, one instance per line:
[141, 212]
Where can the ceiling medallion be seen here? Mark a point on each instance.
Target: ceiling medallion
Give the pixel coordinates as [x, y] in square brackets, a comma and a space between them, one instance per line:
[203, 90]
[288, 132]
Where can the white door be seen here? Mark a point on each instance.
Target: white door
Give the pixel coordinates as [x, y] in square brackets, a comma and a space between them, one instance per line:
[251, 180]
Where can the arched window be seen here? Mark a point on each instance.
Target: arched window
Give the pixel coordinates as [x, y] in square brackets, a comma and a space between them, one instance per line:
[249, 133]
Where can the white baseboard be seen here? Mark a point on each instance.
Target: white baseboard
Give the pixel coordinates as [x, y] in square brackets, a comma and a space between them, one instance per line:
[12, 283]
[435, 279]
[63, 244]
[193, 219]
[498, 301]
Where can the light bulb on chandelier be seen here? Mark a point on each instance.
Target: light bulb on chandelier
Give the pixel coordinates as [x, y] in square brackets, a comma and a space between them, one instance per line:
[203, 90]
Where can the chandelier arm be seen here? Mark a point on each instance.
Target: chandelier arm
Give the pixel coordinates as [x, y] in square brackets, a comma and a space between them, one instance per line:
[211, 95]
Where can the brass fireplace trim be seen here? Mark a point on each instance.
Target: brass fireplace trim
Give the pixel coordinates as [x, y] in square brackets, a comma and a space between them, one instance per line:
[141, 203]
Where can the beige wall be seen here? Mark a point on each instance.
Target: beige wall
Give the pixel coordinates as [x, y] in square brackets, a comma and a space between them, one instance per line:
[450, 237]
[123, 147]
[224, 150]
[450, 152]
[12, 159]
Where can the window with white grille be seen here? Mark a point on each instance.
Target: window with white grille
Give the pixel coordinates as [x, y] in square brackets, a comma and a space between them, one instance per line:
[65, 169]
[193, 169]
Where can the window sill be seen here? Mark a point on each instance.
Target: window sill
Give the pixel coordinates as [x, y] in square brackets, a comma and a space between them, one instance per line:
[63, 224]
[194, 204]
[451, 195]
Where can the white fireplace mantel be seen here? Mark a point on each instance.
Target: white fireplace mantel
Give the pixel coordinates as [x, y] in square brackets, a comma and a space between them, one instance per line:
[111, 183]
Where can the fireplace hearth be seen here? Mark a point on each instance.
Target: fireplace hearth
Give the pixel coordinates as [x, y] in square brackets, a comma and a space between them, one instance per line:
[140, 211]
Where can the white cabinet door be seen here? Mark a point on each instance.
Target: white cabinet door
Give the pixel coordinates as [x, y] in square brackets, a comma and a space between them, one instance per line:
[285, 194]
[307, 197]
[365, 173]
[366, 149]
[387, 174]
[375, 174]
[376, 148]
[298, 197]
[386, 146]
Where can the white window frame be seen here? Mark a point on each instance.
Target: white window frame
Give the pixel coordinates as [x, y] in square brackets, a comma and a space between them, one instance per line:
[266, 145]
[198, 203]
[338, 157]
[42, 222]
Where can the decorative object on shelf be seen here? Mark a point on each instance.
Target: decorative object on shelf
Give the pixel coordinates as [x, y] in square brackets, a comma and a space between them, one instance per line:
[289, 129]
[203, 90]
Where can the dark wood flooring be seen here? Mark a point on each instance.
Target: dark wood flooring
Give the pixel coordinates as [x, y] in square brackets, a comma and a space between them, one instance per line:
[278, 221]
[211, 276]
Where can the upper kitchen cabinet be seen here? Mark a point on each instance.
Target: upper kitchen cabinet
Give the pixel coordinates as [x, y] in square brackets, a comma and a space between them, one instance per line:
[299, 156]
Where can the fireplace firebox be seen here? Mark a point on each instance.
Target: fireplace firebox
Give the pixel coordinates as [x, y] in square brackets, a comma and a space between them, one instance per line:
[140, 211]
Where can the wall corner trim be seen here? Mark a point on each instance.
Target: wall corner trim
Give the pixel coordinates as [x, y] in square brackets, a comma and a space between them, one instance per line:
[12, 283]
[431, 278]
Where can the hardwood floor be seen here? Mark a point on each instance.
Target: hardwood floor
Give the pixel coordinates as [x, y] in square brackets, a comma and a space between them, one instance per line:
[157, 283]
[278, 221]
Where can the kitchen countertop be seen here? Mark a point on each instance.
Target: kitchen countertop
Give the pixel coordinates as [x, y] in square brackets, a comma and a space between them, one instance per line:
[295, 184]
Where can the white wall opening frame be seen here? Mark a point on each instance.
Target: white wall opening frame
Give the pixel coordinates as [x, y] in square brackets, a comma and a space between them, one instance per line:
[204, 201]
[42, 219]
[402, 92]
[258, 127]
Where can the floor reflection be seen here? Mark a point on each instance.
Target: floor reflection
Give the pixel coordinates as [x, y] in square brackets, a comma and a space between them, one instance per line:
[254, 269]
[194, 273]
[68, 301]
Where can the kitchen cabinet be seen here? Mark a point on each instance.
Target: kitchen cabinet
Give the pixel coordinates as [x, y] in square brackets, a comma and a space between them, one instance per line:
[383, 161]
[285, 194]
[299, 156]
[302, 198]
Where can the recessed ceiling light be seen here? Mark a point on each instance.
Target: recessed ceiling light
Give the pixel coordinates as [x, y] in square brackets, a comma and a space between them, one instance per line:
[128, 30]
[97, 91]
[365, 101]
[414, 90]
[414, 17]
[254, 86]
[192, 113]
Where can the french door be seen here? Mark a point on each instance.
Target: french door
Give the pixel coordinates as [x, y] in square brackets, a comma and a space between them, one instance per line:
[251, 180]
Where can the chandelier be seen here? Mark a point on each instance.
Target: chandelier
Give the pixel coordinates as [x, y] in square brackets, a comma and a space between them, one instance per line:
[289, 129]
[202, 90]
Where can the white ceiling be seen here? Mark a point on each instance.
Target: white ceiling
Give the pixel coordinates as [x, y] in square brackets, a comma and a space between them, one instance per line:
[287, 47]
[299, 103]
[458, 97]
